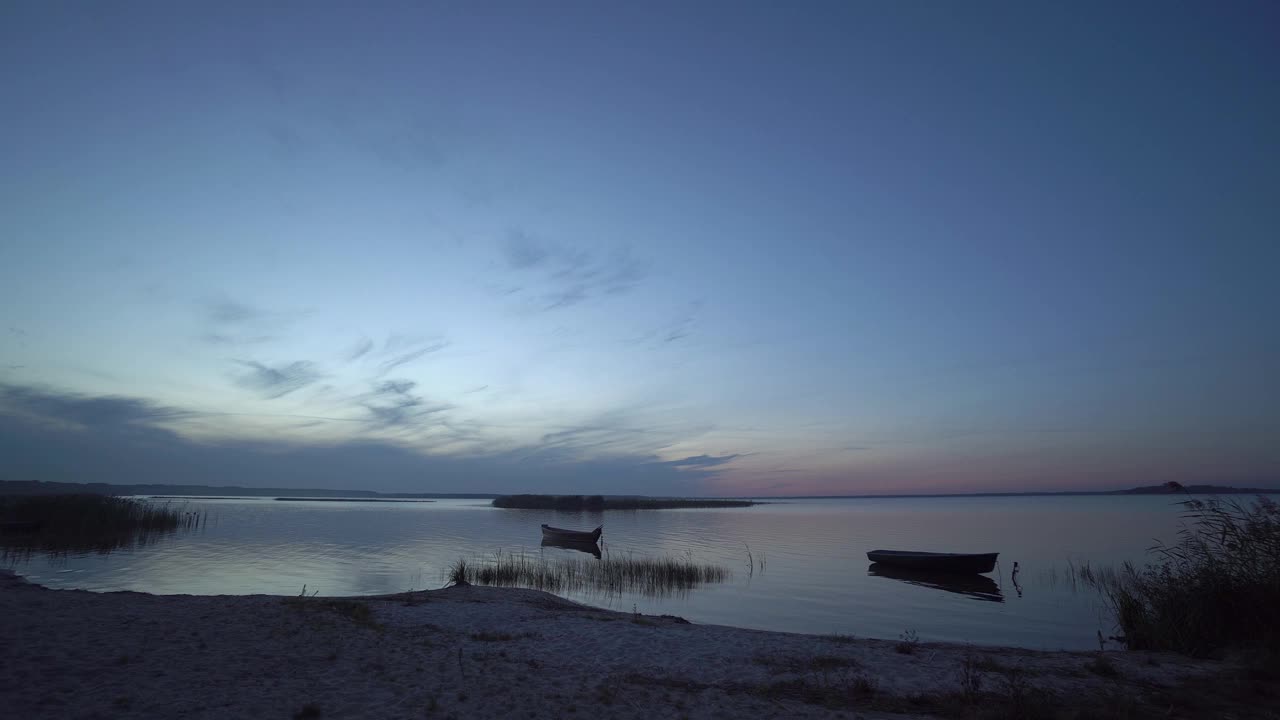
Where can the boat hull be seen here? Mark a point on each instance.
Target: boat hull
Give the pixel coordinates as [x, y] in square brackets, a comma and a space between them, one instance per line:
[560, 534]
[935, 562]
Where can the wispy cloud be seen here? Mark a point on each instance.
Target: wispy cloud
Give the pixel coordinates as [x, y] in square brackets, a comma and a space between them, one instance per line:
[359, 350]
[227, 311]
[231, 322]
[224, 339]
[700, 461]
[569, 275]
[397, 350]
[386, 366]
[521, 251]
[277, 381]
[394, 404]
[683, 325]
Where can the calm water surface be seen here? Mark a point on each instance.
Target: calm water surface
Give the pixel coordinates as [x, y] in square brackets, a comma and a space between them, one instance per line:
[814, 577]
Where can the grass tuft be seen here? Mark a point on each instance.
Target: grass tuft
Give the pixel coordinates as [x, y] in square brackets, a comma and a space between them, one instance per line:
[647, 576]
[907, 642]
[458, 572]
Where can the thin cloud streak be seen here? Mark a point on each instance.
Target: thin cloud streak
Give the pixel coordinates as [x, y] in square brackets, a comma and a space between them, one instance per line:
[276, 382]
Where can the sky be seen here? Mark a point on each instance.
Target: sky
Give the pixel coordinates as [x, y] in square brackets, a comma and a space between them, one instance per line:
[673, 249]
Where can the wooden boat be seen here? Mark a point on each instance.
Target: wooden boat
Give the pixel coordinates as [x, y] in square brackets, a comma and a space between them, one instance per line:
[555, 533]
[935, 562]
[978, 587]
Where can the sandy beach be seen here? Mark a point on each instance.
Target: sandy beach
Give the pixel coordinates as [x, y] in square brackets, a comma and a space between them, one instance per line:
[480, 652]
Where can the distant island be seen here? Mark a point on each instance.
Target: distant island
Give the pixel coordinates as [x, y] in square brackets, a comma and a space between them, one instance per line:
[1169, 488]
[611, 502]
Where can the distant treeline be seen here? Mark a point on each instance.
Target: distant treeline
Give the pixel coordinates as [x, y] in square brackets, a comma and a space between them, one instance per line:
[600, 502]
[36, 487]
[1168, 488]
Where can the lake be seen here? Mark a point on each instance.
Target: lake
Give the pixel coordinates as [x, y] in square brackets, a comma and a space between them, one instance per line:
[809, 571]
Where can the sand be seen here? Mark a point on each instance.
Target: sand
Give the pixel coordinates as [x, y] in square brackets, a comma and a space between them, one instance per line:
[479, 652]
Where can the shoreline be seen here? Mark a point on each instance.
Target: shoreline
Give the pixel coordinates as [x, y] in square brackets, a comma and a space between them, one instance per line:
[481, 652]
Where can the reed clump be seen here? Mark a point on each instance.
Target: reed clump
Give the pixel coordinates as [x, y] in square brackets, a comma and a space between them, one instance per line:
[611, 575]
[75, 524]
[1215, 588]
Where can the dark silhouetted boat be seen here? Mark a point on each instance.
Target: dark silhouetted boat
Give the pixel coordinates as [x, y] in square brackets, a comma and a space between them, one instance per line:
[554, 533]
[586, 546]
[978, 587]
[935, 562]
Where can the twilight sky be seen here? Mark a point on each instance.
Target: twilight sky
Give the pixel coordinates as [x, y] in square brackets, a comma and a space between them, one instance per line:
[686, 248]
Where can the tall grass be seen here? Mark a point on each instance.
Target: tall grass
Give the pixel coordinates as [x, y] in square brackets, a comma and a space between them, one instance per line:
[78, 524]
[1216, 587]
[611, 575]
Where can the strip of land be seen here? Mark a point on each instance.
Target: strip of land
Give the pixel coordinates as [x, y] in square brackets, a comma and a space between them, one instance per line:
[591, 503]
[481, 652]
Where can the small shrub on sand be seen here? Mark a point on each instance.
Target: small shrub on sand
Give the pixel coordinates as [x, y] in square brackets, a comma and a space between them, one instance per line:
[458, 573]
[1102, 666]
[907, 642]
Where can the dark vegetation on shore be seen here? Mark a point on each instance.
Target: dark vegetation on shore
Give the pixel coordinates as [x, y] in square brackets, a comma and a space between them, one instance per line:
[1215, 589]
[342, 499]
[600, 502]
[1168, 488]
[37, 487]
[61, 525]
[655, 577]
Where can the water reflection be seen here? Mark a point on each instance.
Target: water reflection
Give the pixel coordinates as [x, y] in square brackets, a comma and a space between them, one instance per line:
[978, 587]
[581, 546]
[62, 527]
[815, 551]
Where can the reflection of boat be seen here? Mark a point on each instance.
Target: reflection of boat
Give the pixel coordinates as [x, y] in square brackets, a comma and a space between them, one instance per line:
[978, 587]
[935, 562]
[571, 535]
[586, 546]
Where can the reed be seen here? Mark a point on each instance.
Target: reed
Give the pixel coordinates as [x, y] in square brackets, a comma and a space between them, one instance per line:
[610, 575]
[1216, 587]
[60, 525]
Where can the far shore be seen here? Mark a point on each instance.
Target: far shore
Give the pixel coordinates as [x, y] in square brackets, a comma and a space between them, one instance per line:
[288, 499]
[482, 652]
[599, 503]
